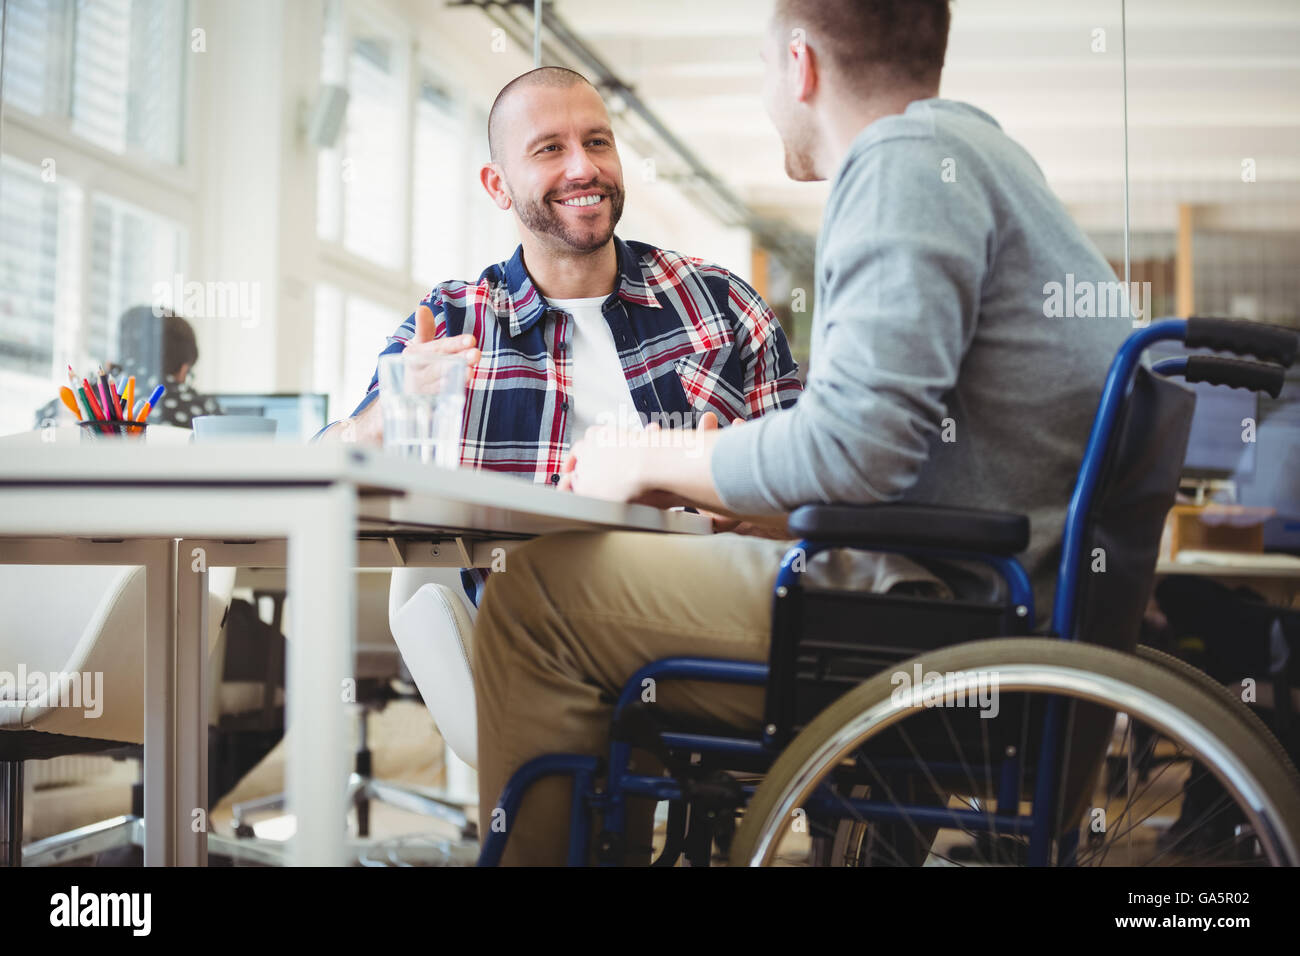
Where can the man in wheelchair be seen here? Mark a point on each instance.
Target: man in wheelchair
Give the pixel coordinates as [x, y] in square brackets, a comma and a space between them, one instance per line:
[938, 377]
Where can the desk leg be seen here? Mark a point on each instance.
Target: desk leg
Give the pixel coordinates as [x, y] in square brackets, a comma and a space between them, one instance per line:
[192, 647]
[322, 554]
[160, 705]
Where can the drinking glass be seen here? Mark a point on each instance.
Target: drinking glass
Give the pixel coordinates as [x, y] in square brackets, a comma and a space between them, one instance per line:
[422, 399]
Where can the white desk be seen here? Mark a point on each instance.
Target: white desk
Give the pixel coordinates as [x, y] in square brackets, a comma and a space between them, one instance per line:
[1276, 576]
[320, 511]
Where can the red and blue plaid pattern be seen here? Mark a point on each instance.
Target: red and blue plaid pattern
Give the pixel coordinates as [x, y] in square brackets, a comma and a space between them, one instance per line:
[691, 337]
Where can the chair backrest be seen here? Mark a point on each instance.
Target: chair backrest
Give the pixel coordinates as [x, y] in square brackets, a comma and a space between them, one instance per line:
[48, 610]
[433, 629]
[1122, 532]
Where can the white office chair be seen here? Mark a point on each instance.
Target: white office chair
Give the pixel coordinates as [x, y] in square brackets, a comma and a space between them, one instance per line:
[444, 678]
[432, 621]
[84, 620]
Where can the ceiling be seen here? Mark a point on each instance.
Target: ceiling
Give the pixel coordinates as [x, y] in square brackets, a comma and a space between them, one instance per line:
[1210, 84]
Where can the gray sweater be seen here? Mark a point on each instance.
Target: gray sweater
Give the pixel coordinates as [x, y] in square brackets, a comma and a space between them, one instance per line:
[940, 371]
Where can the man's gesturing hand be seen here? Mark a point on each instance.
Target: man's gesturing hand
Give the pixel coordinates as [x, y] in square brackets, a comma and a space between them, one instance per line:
[425, 343]
[368, 426]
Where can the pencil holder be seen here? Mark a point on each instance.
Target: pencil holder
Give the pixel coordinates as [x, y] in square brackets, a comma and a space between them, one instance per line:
[97, 430]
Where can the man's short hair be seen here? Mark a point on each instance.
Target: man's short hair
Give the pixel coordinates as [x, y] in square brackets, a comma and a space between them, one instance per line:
[904, 40]
[553, 76]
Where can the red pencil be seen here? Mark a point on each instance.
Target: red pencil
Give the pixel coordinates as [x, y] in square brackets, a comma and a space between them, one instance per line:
[94, 402]
[115, 400]
[96, 412]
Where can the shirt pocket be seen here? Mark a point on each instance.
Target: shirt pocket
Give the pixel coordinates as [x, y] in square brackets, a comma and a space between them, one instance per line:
[712, 379]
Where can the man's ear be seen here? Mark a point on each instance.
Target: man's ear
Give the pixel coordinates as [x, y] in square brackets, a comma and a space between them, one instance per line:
[803, 67]
[495, 184]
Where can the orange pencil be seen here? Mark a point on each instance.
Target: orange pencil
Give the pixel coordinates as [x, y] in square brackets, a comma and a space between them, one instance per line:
[69, 399]
[130, 397]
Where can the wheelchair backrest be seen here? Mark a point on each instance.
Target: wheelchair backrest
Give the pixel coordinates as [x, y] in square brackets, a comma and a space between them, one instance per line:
[1122, 532]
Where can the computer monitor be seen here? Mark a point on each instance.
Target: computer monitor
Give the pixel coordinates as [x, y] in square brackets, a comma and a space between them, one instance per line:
[1216, 447]
[298, 415]
[1276, 480]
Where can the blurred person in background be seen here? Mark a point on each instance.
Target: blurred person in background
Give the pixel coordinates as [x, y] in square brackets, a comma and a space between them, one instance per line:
[158, 349]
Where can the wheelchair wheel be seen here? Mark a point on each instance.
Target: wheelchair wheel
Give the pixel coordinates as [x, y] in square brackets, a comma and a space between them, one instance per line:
[1204, 784]
[1233, 702]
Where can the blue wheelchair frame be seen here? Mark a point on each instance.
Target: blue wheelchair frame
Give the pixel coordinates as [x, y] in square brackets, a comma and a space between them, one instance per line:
[621, 784]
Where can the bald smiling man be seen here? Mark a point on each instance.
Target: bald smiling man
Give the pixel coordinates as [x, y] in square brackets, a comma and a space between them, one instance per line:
[579, 326]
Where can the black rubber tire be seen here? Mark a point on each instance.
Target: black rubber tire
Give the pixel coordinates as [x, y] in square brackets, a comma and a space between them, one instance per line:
[1233, 702]
[1171, 684]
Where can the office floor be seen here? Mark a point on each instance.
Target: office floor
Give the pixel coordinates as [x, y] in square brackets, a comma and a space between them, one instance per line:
[405, 745]
[407, 749]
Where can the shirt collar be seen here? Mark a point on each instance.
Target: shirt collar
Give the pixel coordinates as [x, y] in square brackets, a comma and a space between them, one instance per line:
[524, 305]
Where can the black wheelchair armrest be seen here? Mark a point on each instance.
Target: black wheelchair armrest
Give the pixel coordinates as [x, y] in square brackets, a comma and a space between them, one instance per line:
[902, 525]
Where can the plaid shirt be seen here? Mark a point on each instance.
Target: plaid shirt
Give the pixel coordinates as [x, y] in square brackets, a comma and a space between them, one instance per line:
[691, 338]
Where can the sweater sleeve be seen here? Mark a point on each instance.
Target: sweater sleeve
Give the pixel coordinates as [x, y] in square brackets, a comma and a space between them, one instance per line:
[903, 257]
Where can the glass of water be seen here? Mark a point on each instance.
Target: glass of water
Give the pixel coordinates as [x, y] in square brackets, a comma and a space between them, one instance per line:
[422, 398]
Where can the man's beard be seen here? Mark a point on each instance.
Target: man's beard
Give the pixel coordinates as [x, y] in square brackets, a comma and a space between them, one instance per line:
[541, 217]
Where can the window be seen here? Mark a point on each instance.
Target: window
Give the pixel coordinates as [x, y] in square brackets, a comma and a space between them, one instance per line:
[111, 71]
[29, 223]
[39, 294]
[351, 331]
[438, 220]
[399, 207]
[127, 75]
[108, 75]
[131, 252]
[360, 192]
[33, 53]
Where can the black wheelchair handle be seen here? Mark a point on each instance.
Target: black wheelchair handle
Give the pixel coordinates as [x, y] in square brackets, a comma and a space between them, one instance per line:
[1269, 342]
[1235, 373]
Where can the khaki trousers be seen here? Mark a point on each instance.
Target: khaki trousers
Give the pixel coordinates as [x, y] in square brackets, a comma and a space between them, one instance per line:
[574, 615]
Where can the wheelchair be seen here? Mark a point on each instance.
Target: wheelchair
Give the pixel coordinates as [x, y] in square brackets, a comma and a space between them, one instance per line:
[901, 730]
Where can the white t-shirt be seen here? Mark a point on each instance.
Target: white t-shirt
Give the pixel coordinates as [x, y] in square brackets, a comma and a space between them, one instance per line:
[600, 393]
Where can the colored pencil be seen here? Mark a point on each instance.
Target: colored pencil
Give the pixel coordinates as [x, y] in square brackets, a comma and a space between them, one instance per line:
[103, 394]
[92, 409]
[93, 402]
[151, 402]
